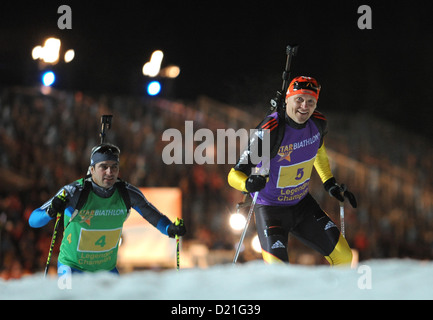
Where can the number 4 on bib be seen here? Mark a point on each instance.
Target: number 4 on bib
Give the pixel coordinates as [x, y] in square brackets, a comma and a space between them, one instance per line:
[101, 242]
[98, 240]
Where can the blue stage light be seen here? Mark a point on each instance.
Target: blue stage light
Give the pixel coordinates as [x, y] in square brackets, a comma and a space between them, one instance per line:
[48, 78]
[153, 88]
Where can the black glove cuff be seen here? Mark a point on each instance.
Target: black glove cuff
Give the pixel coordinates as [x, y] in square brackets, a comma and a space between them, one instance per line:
[51, 212]
[329, 184]
[174, 230]
[255, 183]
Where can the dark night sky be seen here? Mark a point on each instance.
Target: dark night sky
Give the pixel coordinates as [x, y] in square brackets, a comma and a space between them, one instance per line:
[235, 51]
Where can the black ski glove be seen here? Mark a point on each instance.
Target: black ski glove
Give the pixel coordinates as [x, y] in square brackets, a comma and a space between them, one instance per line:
[58, 204]
[255, 183]
[174, 229]
[340, 192]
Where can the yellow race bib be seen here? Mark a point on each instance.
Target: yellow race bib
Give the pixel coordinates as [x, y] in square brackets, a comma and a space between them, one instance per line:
[98, 240]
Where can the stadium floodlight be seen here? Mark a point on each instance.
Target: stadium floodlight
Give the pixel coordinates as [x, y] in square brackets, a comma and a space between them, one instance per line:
[237, 221]
[50, 50]
[255, 244]
[69, 55]
[152, 68]
[170, 72]
[37, 53]
[48, 78]
[153, 88]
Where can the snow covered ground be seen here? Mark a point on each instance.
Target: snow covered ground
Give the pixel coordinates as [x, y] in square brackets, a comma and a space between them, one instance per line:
[375, 279]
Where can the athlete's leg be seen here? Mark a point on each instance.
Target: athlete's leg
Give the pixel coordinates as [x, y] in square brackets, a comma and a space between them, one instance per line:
[341, 255]
[318, 231]
[63, 270]
[114, 271]
[272, 234]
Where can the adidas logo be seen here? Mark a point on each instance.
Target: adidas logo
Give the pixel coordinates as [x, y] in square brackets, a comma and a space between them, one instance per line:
[329, 225]
[277, 244]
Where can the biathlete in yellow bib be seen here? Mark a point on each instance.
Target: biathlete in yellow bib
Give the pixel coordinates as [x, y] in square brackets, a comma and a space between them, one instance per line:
[284, 204]
[95, 209]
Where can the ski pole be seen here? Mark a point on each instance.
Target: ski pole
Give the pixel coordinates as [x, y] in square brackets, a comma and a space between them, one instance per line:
[343, 232]
[342, 218]
[53, 240]
[179, 222]
[250, 213]
[263, 171]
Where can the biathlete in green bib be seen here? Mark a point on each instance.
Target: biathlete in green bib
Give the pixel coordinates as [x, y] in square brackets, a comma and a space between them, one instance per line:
[95, 209]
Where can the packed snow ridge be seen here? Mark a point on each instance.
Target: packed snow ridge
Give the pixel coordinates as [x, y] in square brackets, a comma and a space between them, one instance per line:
[373, 279]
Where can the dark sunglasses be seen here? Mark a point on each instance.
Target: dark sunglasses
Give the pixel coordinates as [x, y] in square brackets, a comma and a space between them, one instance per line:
[105, 148]
[306, 85]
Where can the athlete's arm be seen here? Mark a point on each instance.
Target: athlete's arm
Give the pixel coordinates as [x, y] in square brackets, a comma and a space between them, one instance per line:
[148, 210]
[321, 164]
[39, 217]
[238, 175]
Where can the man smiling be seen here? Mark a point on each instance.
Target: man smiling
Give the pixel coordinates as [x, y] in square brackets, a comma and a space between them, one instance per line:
[284, 204]
[95, 209]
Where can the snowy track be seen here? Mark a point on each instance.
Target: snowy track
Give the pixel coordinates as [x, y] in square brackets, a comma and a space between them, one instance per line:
[375, 279]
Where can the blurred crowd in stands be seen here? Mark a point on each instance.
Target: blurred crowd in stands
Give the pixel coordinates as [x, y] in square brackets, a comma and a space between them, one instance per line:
[45, 142]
